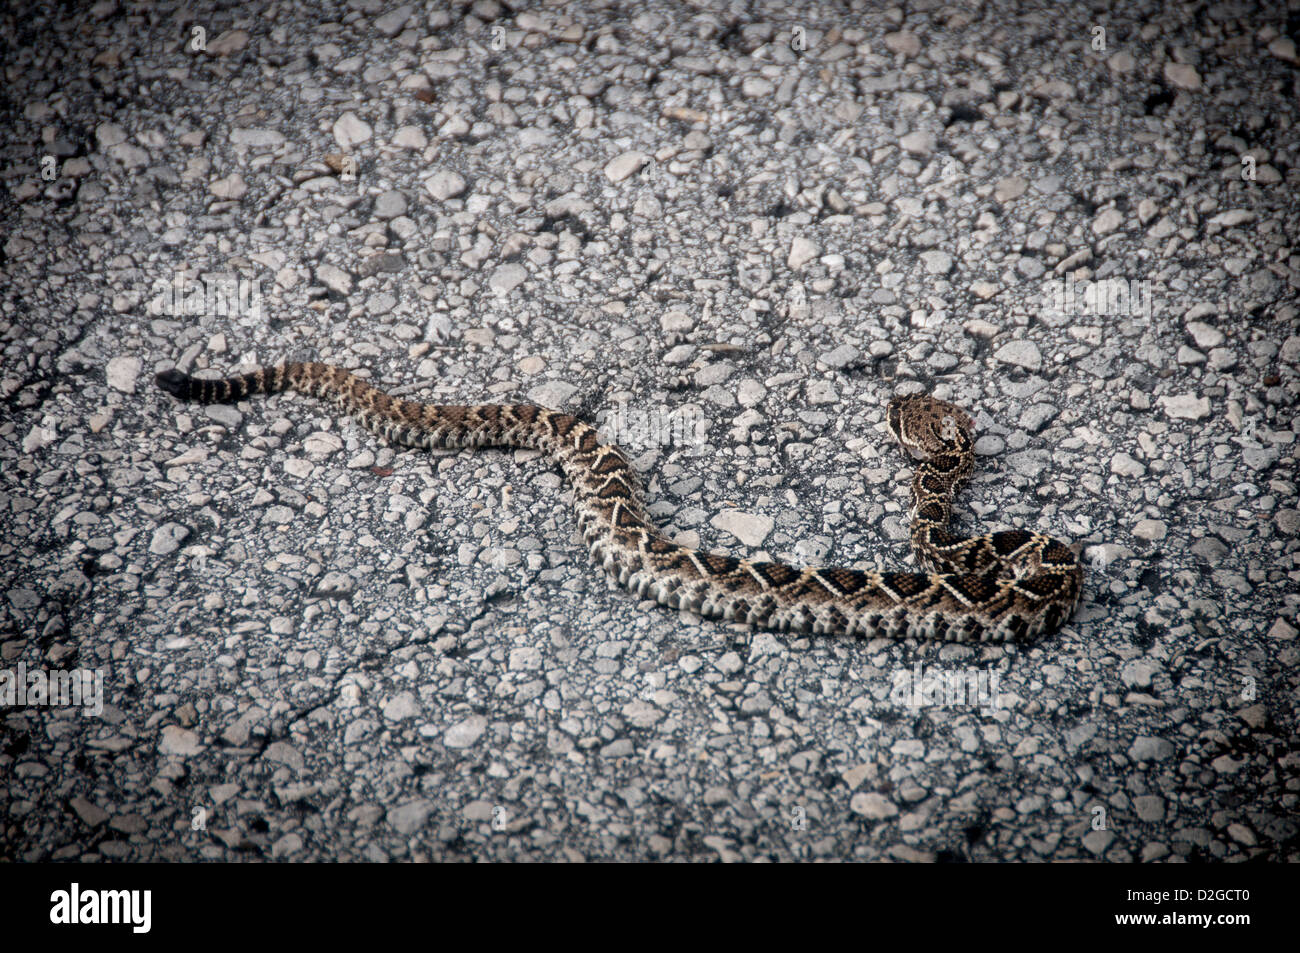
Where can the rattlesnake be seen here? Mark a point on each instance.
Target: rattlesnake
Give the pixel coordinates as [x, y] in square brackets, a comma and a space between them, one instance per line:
[1010, 585]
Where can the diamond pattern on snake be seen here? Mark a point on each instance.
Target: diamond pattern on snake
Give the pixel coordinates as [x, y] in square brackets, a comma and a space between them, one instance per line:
[1012, 585]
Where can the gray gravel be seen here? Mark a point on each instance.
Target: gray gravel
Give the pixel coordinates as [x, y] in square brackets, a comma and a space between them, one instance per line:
[731, 253]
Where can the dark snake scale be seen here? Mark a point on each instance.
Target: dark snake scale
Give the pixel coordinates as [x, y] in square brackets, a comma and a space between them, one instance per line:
[1013, 585]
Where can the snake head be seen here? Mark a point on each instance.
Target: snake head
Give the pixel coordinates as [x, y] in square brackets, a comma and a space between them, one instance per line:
[926, 426]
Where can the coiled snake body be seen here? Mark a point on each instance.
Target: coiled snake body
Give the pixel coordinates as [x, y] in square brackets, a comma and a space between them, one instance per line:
[1010, 585]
